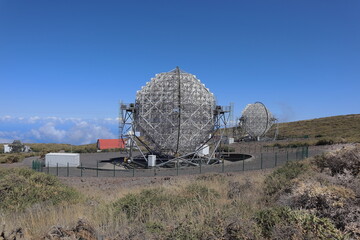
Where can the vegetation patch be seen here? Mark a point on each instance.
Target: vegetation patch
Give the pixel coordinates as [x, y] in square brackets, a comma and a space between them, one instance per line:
[339, 129]
[280, 179]
[52, 147]
[300, 200]
[330, 190]
[341, 161]
[157, 201]
[284, 223]
[21, 188]
[14, 157]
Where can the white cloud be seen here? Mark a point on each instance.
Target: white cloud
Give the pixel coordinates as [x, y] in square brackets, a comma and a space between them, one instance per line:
[56, 129]
[50, 132]
[84, 133]
[6, 140]
[33, 119]
[6, 118]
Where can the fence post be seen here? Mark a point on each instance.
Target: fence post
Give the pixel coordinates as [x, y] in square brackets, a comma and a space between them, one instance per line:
[57, 169]
[287, 155]
[200, 166]
[261, 165]
[133, 171]
[114, 170]
[307, 151]
[48, 169]
[275, 159]
[81, 170]
[243, 164]
[223, 165]
[301, 153]
[177, 168]
[154, 171]
[97, 168]
[296, 154]
[67, 170]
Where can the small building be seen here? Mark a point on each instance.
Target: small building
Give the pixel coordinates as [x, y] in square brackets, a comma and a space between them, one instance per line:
[7, 148]
[110, 143]
[16, 147]
[62, 159]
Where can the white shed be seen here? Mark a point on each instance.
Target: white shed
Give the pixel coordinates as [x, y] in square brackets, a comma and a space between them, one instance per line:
[7, 148]
[62, 159]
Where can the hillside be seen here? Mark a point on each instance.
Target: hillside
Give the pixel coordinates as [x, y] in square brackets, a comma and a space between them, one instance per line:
[317, 198]
[345, 128]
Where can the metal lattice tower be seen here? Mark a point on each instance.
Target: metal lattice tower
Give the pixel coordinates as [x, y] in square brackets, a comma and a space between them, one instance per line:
[175, 112]
[256, 120]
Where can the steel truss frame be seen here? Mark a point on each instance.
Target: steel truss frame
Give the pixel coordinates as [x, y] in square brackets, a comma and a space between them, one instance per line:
[256, 120]
[128, 129]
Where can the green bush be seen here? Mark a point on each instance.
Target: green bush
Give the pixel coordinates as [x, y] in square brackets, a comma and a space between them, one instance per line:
[21, 188]
[324, 142]
[281, 178]
[297, 144]
[197, 192]
[306, 225]
[140, 206]
[14, 157]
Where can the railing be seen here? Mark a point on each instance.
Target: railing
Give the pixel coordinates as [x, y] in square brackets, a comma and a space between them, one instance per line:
[269, 158]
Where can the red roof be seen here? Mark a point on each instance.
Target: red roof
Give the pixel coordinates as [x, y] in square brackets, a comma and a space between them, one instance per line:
[110, 143]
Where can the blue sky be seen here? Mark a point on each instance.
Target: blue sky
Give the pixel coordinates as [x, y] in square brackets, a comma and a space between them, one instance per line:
[62, 60]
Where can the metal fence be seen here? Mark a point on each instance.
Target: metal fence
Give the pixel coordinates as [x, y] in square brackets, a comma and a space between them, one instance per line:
[262, 159]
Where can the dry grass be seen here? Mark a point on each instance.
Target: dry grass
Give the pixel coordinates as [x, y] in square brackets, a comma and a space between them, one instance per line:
[300, 200]
[14, 157]
[99, 211]
[338, 128]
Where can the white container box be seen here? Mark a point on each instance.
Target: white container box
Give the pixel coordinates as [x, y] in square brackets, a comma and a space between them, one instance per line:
[203, 151]
[230, 140]
[62, 159]
[151, 160]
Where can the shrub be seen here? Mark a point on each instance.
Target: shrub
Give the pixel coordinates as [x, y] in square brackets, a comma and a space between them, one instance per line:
[21, 188]
[306, 225]
[331, 201]
[139, 207]
[339, 162]
[236, 189]
[14, 157]
[243, 229]
[297, 144]
[214, 177]
[200, 193]
[324, 142]
[281, 178]
[156, 201]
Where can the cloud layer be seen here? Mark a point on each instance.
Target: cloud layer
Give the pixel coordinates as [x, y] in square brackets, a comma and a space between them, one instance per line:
[56, 130]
